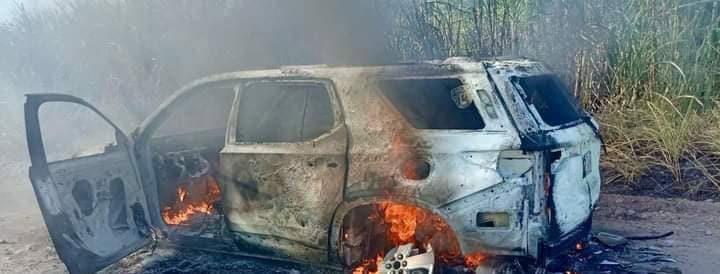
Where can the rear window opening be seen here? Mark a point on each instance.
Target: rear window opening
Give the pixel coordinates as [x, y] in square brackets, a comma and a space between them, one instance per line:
[428, 104]
[551, 98]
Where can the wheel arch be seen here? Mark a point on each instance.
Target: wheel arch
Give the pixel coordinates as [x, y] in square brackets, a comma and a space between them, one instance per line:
[347, 206]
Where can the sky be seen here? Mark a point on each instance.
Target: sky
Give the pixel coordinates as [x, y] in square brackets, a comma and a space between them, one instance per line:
[7, 6]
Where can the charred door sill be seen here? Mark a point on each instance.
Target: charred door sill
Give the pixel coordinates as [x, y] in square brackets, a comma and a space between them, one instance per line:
[168, 256]
[222, 247]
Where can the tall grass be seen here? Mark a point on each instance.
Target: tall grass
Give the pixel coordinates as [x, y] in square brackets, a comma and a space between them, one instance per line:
[670, 47]
[656, 135]
[425, 29]
[662, 84]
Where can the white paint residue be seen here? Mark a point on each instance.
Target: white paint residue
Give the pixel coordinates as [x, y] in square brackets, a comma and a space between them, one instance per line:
[48, 193]
[570, 194]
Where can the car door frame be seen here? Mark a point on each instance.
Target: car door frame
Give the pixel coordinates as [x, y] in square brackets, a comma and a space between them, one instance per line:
[72, 248]
[143, 134]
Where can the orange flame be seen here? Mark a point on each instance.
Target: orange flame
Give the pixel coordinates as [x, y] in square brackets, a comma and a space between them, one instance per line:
[369, 266]
[191, 199]
[474, 259]
[408, 224]
[402, 221]
[579, 246]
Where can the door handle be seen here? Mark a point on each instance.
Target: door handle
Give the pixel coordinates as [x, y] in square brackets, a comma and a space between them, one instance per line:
[320, 161]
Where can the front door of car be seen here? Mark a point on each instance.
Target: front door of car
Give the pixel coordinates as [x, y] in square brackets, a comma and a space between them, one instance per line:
[93, 201]
[284, 165]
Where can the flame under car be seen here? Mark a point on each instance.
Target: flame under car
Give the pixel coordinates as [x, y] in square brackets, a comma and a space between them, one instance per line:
[472, 161]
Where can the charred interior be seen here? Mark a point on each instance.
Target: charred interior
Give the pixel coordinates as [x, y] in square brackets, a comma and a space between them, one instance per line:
[186, 153]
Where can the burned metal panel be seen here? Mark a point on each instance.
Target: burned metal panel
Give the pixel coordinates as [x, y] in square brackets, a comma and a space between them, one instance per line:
[462, 165]
[287, 192]
[571, 199]
[280, 196]
[463, 178]
[94, 206]
[576, 176]
[99, 224]
[505, 198]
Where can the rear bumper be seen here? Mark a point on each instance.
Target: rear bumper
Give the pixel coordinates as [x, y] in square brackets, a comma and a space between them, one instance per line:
[527, 234]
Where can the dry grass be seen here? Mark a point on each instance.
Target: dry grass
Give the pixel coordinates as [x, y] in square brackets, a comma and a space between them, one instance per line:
[658, 110]
[650, 132]
[662, 133]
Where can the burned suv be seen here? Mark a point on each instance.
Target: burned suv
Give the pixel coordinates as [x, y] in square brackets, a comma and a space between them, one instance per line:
[471, 161]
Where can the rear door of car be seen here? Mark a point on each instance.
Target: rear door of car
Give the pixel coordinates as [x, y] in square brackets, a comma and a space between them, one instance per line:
[92, 201]
[285, 164]
[572, 140]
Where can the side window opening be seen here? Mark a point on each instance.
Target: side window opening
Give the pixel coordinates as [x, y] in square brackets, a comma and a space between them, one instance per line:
[551, 98]
[72, 131]
[283, 112]
[204, 111]
[428, 104]
[186, 155]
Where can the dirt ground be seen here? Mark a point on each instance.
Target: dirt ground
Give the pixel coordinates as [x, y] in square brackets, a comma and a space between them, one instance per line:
[696, 226]
[24, 243]
[25, 247]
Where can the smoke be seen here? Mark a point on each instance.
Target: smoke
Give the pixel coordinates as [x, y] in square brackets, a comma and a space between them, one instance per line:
[125, 57]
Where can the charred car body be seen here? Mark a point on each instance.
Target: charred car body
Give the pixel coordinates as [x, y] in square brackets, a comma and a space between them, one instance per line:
[296, 162]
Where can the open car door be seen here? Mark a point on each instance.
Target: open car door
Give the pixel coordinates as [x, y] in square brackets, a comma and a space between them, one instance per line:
[93, 205]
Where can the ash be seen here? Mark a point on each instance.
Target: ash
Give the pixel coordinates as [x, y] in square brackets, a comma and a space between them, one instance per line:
[601, 255]
[614, 254]
[170, 260]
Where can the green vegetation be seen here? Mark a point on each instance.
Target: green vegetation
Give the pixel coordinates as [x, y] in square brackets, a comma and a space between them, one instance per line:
[648, 69]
